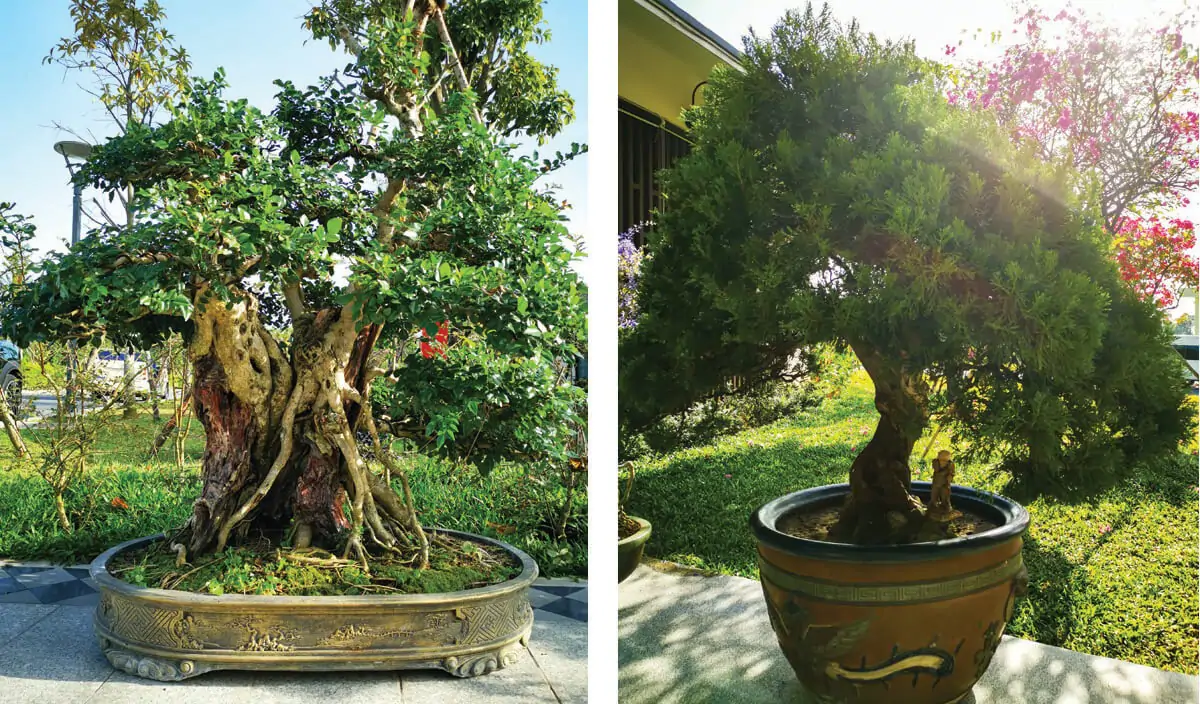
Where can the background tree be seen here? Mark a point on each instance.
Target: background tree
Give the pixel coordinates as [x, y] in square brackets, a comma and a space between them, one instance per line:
[833, 195]
[138, 72]
[1116, 103]
[16, 259]
[287, 248]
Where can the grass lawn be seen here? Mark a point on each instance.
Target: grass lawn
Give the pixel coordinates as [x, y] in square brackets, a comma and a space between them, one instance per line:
[1112, 575]
[508, 504]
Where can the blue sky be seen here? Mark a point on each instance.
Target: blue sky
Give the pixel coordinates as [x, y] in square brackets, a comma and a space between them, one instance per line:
[257, 42]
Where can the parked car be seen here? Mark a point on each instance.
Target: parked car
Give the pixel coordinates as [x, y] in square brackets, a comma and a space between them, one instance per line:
[109, 368]
[11, 380]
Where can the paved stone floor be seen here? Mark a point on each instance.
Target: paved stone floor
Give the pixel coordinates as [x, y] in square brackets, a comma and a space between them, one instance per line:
[48, 655]
[686, 638]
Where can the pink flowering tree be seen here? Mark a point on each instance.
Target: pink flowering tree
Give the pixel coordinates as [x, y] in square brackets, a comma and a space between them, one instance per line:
[1114, 102]
[1153, 254]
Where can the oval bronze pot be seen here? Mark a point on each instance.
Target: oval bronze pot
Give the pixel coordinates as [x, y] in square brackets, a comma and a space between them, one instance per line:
[902, 624]
[629, 550]
[171, 635]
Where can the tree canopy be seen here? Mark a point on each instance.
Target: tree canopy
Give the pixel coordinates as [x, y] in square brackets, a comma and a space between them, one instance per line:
[379, 191]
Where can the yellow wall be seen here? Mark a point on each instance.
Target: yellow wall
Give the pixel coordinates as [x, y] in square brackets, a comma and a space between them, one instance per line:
[660, 60]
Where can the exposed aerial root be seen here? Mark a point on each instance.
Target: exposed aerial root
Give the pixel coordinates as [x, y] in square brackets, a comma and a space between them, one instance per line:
[393, 468]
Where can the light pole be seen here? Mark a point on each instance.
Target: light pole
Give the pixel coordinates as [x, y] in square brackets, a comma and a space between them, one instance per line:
[79, 152]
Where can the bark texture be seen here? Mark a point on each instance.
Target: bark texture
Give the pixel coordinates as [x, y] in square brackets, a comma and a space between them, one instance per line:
[281, 454]
[880, 508]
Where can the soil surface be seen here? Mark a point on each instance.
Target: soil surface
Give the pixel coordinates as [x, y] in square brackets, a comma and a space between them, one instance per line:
[268, 569]
[815, 525]
[627, 526]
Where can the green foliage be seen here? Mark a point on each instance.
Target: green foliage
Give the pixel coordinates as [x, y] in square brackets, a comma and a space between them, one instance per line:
[35, 377]
[16, 245]
[1112, 575]
[515, 503]
[137, 65]
[832, 195]
[377, 191]
[518, 93]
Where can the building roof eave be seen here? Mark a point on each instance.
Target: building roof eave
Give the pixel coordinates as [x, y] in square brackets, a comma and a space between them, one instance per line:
[685, 23]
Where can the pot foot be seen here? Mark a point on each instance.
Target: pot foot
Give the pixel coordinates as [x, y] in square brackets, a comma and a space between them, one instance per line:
[149, 667]
[483, 663]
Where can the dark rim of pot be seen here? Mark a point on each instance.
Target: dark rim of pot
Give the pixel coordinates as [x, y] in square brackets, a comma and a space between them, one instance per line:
[529, 572]
[1011, 520]
[641, 536]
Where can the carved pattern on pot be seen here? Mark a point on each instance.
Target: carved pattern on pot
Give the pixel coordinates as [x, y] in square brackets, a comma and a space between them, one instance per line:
[187, 634]
[150, 667]
[995, 629]
[148, 624]
[437, 628]
[263, 637]
[904, 593]
[816, 648]
[494, 619]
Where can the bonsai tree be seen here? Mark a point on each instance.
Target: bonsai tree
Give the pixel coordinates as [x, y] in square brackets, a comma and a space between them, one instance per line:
[833, 195]
[310, 254]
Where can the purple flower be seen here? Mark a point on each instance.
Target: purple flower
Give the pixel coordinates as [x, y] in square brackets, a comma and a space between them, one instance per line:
[629, 268]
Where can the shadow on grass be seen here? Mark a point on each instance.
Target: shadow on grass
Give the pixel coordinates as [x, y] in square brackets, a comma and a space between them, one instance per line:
[1171, 479]
[1045, 613]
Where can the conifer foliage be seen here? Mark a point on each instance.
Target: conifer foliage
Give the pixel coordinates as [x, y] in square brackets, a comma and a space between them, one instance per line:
[833, 194]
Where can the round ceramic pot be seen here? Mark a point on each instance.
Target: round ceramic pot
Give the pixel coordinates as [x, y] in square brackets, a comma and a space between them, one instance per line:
[171, 635]
[902, 624]
[629, 550]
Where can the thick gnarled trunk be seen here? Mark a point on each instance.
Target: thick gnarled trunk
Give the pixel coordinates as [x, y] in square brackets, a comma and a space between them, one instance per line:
[281, 456]
[880, 508]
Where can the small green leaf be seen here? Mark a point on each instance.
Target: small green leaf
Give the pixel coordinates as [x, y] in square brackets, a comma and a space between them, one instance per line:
[333, 227]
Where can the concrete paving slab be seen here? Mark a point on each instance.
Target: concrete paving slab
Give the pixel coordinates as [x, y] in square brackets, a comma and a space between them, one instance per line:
[48, 653]
[559, 582]
[688, 638]
[685, 639]
[56, 660]
[520, 683]
[39, 576]
[256, 687]
[1025, 671]
[539, 598]
[15, 619]
[22, 597]
[85, 600]
[560, 651]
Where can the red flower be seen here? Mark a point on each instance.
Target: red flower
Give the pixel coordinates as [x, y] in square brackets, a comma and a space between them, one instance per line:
[440, 340]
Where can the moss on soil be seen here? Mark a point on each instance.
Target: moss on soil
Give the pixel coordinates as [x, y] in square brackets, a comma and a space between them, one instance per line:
[263, 569]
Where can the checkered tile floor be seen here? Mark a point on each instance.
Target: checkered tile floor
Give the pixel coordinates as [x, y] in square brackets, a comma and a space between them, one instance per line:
[71, 586]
